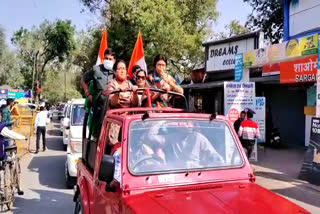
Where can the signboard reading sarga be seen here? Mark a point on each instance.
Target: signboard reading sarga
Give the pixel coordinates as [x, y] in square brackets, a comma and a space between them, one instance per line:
[302, 70]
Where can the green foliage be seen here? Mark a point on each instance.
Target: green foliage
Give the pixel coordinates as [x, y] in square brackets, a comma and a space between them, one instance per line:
[54, 87]
[174, 28]
[232, 29]
[9, 68]
[267, 15]
[43, 46]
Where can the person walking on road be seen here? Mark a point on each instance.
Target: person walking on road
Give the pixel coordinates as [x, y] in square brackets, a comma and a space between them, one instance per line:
[238, 122]
[40, 126]
[249, 131]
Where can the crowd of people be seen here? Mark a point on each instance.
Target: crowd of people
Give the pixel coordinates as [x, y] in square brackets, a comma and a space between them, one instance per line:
[112, 75]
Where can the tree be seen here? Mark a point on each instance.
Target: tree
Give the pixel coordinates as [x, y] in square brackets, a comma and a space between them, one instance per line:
[232, 29]
[9, 65]
[54, 87]
[48, 43]
[174, 28]
[267, 15]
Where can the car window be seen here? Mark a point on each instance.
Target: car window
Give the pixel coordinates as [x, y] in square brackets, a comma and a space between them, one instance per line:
[77, 115]
[181, 145]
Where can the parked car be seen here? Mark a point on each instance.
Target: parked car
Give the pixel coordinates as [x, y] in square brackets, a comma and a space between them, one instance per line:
[61, 110]
[74, 141]
[63, 115]
[166, 160]
[54, 113]
[65, 126]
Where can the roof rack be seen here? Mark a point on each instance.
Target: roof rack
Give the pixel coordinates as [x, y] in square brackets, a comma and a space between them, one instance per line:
[141, 110]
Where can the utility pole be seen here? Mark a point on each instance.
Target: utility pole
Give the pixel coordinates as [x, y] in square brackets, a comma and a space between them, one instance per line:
[65, 85]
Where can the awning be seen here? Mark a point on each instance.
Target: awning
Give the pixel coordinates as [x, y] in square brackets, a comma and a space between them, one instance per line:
[216, 84]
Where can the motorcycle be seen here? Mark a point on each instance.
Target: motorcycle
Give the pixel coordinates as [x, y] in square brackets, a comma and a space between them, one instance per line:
[274, 138]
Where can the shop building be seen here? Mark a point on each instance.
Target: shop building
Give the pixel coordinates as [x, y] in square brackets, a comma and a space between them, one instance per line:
[285, 73]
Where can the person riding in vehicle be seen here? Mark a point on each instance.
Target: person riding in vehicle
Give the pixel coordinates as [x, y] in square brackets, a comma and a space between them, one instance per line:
[124, 99]
[94, 82]
[161, 80]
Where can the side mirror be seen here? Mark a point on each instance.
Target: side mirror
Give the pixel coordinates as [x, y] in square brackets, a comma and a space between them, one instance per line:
[106, 170]
[66, 122]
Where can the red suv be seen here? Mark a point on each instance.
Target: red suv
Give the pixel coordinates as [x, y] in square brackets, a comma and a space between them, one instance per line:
[166, 160]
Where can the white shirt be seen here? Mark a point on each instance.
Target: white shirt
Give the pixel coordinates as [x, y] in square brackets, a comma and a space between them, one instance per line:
[41, 119]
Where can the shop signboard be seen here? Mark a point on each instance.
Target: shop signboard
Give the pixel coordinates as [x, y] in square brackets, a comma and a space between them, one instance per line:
[260, 117]
[293, 48]
[221, 57]
[301, 70]
[248, 58]
[271, 69]
[238, 69]
[303, 16]
[15, 94]
[238, 97]
[309, 45]
[3, 93]
[277, 52]
[310, 170]
[318, 82]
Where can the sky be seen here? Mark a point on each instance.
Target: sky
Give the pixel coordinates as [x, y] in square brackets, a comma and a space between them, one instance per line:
[26, 13]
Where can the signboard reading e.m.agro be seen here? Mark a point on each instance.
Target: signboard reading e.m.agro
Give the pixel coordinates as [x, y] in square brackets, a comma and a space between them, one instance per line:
[222, 56]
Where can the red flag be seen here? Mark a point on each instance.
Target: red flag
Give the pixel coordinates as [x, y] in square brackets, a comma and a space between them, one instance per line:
[103, 47]
[137, 57]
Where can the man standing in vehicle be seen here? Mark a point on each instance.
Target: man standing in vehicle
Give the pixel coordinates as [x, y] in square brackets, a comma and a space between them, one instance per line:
[249, 132]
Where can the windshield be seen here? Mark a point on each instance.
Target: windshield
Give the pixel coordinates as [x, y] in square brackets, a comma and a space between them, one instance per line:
[180, 145]
[77, 115]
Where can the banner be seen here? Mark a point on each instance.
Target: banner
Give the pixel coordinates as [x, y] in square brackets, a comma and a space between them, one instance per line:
[238, 68]
[237, 97]
[260, 57]
[302, 70]
[248, 59]
[260, 117]
[310, 170]
[15, 94]
[271, 69]
[276, 52]
[293, 48]
[318, 82]
[309, 44]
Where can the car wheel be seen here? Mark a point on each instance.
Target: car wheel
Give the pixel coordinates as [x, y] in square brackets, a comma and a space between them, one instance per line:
[65, 147]
[78, 209]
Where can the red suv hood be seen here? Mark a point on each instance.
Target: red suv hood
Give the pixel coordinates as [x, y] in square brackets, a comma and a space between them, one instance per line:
[231, 198]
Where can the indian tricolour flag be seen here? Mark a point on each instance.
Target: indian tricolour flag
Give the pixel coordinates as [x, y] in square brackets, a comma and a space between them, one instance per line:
[103, 47]
[137, 57]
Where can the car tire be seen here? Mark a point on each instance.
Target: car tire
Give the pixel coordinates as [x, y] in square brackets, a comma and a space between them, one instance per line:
[78, 208]
[70, 181]
[65, 147]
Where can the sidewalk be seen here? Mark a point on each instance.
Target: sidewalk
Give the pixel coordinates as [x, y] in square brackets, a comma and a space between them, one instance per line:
[278, 171]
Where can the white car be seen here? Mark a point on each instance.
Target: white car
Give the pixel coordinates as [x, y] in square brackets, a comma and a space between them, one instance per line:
[74, 140]
[63, 115]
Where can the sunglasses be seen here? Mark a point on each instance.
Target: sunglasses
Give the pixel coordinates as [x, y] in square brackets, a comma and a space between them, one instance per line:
[141, 77]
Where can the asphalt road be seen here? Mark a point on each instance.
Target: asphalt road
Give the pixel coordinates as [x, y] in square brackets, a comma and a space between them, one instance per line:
[43, 180]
